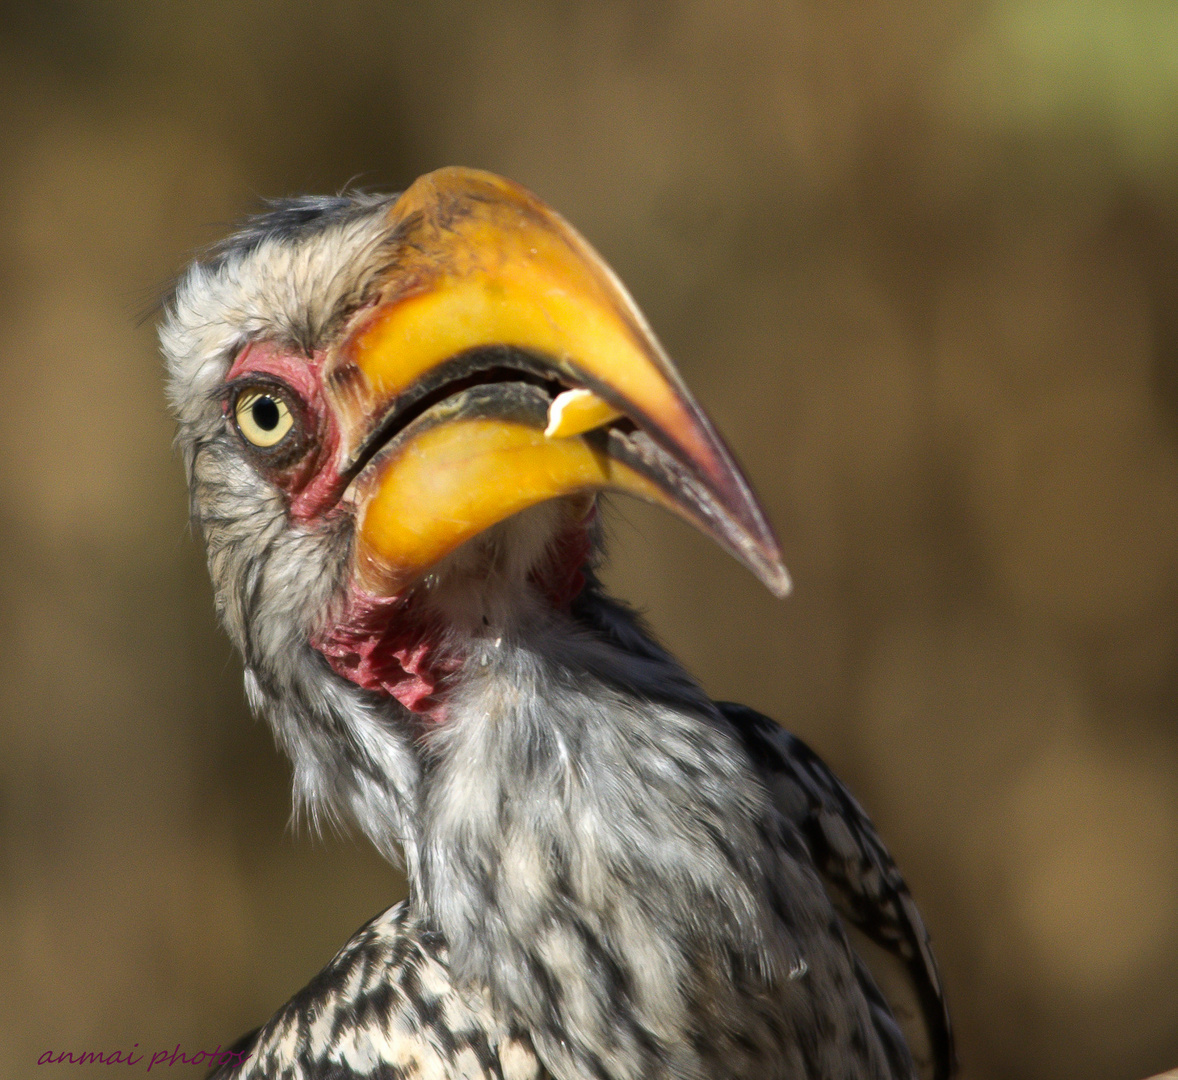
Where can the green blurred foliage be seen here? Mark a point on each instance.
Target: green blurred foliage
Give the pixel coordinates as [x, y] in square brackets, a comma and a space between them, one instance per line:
[1109, 70]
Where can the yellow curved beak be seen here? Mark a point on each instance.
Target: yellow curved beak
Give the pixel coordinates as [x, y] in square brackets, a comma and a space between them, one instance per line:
[502, 365]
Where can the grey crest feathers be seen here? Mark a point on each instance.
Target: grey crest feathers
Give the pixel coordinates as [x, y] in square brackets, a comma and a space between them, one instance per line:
[605, 879]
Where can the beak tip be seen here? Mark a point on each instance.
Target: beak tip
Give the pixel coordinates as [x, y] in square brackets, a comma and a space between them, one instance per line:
[777, 580]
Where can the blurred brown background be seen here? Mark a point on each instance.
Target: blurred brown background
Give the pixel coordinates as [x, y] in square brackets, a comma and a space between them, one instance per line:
[919, 260]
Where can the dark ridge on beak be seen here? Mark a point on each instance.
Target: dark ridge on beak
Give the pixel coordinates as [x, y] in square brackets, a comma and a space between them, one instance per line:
[478, 367]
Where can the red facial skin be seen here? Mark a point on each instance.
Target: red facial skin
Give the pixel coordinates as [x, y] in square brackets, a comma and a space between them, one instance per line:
[386, 644]
[313, 485]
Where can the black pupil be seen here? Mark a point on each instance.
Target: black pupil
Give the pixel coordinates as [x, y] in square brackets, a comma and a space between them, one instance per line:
[265, 413]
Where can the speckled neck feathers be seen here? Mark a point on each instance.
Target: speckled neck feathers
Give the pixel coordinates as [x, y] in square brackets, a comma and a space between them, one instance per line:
[593, 845]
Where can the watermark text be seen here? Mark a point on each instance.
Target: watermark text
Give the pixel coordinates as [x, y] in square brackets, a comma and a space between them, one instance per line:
[210, 1059]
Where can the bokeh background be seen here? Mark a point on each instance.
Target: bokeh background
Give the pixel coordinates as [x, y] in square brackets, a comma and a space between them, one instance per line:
[920, 261]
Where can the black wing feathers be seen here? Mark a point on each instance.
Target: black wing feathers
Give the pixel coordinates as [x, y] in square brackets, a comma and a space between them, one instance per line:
[864, 882]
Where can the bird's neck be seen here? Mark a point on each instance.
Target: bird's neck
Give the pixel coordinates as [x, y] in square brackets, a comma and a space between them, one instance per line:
[577, 820]
[591, 844]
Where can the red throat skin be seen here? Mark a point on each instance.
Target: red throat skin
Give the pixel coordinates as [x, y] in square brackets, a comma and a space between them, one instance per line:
[392, 646]
[562, 576]
[383, 644]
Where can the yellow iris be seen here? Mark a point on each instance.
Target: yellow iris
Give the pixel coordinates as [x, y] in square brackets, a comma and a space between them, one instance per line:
[262, 417]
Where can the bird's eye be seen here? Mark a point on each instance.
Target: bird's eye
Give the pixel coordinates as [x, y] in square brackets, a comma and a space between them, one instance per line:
[262, 417]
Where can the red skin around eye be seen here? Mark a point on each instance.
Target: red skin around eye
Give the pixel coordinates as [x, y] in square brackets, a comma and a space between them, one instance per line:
[314, 484]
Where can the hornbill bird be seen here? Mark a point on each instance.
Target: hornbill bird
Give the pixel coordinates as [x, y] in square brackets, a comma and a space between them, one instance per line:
[396, 414]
